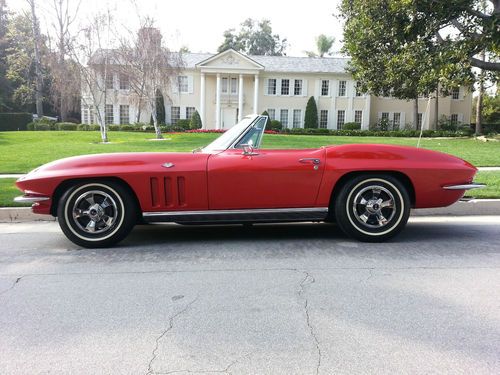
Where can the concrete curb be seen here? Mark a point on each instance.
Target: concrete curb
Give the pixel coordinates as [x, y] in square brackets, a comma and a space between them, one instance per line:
[473, 207]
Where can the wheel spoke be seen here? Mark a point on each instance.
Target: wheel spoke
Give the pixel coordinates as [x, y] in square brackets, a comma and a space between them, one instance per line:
[388, 203]
[91, 226]
[376, 193]
[105, 203]
[381, 219]
[364, 217]
[78, 212]
[363, 201]
[90, 199]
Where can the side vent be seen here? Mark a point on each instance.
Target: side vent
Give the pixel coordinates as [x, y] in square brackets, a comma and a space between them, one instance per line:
[169, 199]
[181, 190]
[154, 192]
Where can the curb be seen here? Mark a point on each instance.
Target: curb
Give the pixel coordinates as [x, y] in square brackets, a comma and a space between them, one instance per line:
[472, 207]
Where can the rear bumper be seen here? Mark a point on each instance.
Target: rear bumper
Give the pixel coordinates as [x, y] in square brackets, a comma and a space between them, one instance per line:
[464, 186]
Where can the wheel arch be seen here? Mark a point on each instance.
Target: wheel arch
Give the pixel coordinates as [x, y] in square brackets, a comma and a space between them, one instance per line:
[66, 184]
[403, 178]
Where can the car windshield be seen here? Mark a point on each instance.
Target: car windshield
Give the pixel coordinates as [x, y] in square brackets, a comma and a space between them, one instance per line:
[228, 137]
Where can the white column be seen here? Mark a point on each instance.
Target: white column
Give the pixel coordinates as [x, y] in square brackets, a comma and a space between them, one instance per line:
[202, 100]
[217, 103]
[350, 103]
[256, 95]
[240, 99]
[366, 113]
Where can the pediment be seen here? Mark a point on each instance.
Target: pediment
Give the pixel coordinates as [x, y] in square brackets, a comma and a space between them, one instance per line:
[230, 59]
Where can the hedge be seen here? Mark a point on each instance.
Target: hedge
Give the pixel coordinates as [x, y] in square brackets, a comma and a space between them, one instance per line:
[378, 133]
[14, 121]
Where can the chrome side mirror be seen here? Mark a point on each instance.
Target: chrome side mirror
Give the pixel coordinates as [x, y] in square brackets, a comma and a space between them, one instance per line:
[248, 150]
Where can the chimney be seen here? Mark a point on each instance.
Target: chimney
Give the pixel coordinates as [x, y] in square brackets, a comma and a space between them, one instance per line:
[149, 37]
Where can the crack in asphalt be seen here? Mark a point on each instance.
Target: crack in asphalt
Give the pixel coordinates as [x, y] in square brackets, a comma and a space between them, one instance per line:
[308, 280]
[12, 286]
[224, 371]
[370, 270]
[170, 326]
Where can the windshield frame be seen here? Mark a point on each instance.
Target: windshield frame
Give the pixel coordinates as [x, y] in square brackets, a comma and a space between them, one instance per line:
[231, 142]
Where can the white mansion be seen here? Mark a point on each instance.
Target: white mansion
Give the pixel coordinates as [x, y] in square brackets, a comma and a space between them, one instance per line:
[227, 86]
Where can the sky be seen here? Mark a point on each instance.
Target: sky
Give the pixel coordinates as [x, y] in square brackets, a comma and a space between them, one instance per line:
[200, 25]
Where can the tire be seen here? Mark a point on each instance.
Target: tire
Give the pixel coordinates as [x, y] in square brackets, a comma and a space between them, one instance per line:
[372, 208]
[97, 214]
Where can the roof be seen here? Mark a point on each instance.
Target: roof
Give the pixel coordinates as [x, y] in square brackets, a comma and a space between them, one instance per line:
[282, 63]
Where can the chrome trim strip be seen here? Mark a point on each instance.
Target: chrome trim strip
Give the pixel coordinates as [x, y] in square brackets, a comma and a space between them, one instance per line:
[30, 199]
[464, 186]
[229, 212]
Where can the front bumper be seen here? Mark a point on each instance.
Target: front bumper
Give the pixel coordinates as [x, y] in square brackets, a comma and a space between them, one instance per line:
[30, 199]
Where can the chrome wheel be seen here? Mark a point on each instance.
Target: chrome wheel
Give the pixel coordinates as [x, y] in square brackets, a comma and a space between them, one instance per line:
[95, 212]
[374, 207]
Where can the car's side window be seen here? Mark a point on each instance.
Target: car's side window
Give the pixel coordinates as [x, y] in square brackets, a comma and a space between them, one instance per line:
[253, 136]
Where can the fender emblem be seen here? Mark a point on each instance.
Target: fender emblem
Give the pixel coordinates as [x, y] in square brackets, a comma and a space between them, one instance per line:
[168, 165]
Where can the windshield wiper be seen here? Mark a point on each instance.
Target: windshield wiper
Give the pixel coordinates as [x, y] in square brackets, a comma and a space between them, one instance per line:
[197, 149]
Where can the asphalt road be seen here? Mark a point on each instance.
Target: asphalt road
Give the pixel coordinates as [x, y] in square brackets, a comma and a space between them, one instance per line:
[269, 299]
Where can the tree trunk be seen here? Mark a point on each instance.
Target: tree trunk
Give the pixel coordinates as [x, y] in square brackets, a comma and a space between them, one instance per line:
[155, 117]
[479, 108]
[415, 112]
[38, 70]
[436, 109]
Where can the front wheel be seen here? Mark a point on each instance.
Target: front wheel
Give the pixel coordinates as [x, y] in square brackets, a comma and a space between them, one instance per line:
[96, 214]
[372, 208]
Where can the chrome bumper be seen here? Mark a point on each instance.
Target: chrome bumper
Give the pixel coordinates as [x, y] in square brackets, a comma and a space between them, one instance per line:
[30, 199]
[464, 186]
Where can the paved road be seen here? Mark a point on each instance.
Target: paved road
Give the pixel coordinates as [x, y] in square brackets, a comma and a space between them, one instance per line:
[273, 299]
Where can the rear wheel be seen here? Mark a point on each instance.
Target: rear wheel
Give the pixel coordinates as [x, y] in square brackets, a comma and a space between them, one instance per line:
[372, 208]
[97, 214]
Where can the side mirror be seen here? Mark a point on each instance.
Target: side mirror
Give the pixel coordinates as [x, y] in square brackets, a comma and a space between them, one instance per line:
[248, 150]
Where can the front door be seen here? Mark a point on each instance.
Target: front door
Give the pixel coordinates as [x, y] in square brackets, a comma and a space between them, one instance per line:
[265, 179]
[229, 117]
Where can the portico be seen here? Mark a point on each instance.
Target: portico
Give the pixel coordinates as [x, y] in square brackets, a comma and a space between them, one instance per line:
[233, 73]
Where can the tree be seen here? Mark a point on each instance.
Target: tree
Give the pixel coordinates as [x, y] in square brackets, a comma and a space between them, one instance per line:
[491, 108]
[150, 67]
[415, 46]
[5, 89]
[323, 45]
[37, 62]
[195, 121]
[311, 115]
[254, 38]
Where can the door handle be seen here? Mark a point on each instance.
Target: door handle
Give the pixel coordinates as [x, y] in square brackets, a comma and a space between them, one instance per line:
[314, 161]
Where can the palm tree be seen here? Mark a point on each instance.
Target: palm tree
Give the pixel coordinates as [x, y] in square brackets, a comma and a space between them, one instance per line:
[323, 44]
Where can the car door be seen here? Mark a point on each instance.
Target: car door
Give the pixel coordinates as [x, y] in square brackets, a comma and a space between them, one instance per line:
[264, 178]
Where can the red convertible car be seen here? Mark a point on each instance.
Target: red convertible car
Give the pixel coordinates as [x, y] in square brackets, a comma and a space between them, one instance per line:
[366, 189]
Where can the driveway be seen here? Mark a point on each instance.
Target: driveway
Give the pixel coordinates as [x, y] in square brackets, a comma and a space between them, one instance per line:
[267, 299]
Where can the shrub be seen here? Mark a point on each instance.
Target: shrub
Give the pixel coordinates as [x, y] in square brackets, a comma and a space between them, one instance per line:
[311, 115]
[43, 127]
[274, 125]
[66, 126]
[94, 127]
[129, 128]
[352, 126]
[491, 128]
[183, 124]
[265, 113]
[30, 125]
[113, 128]
[195, 121]
[84, 127]
[14, 121]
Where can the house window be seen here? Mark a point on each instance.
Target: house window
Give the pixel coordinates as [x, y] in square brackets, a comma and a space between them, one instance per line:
[183, 84]
[325, 87]
[358, 116]
[358, 90]
[455, 93]
[85, 114]
[342, 88]
[340, 119]
[385, 116]
[419, 121]
[454, 119]
[397, 119]
[108, 114]
[91, 114]
[224, 84]
[234, 85]
[124, 82]
[297, 117]
[189, 112]
[297, 89]
[285, 87]
[284, 118]
[272, 113]
[271, 86]
[323, 118]
[175, 114]
[109, 80]
[124, 114]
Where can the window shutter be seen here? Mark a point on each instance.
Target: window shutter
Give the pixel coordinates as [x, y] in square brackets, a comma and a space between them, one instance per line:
[379, 116]
[461, 93]
[278, 86]
[175, 85]
[318, 88]
[190, 84]
[460, 118]
[168, 114]
[402, 120]
[266, 86]
[304, 87]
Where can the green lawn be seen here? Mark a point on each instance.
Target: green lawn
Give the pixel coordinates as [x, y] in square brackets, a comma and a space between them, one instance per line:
[492, 178]
[22, 151]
